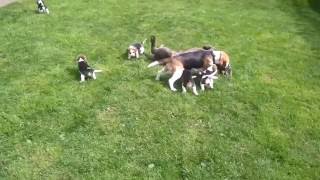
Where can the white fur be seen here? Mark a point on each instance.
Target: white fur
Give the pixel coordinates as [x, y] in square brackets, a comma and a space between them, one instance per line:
[83, 77]
[184, 89]
[155, 63]
[217, 56]
[176, 75]
[159, 73]
[194, 90]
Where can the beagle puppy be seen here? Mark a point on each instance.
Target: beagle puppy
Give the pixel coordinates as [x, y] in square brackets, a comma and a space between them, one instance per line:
[85, 70]
[136, 49]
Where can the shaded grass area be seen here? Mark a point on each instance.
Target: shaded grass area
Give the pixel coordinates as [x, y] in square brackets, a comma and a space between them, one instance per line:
[261, 125]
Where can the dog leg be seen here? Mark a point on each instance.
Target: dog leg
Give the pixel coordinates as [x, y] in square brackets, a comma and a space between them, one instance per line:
[159, 73]
[202, 87]
[184, 90]
[176, 75]
[194, 90]
[211, 84]
[94, 75]
[83, 77]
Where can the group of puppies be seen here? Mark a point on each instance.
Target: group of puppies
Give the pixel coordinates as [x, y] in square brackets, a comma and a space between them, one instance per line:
[202, 64]
[196, 64]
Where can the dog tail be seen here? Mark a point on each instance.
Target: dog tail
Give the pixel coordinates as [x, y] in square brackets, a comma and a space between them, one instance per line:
[159, 62]
[97, 71]
[153, 43]
[154, 63]
[144, 41]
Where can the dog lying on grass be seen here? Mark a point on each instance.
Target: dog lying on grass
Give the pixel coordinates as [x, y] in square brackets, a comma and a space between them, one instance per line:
[85, 70]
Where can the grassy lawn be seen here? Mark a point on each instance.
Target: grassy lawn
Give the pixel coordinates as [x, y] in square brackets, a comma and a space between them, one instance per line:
[262, 124]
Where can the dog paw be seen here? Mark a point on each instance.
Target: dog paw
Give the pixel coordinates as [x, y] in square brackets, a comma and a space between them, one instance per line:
[173, 89]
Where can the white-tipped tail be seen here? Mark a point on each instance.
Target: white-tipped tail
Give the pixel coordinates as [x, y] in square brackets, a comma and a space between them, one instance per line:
[144, 41]
[97, 71]
[155, 63]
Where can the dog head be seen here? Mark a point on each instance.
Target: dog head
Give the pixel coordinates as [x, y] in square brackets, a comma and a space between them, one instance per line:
[81, 57]
[132, 51]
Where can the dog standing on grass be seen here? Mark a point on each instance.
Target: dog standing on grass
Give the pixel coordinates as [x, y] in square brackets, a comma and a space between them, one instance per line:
[85, 70]
[136, 49]
[176, 64]
[42, 8]
[207, 77]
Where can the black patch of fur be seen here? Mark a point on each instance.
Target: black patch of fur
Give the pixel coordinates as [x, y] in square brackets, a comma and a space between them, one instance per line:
[159, 53]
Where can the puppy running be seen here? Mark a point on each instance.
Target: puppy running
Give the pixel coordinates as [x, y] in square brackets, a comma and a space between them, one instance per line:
[42, 8]
[136, 49]
[85, 70]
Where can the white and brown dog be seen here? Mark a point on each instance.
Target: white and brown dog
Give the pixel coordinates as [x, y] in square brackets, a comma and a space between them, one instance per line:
[177, 63]
[42, 8]
[136, 49]
[85, 70]
[222, 60]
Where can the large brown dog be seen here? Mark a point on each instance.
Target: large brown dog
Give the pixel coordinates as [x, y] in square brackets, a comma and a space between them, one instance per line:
[193, 58]
[188, 60]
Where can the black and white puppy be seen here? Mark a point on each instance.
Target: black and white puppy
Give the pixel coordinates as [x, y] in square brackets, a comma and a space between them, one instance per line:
[188, 81]
[85, 70]
[208, 76]
[136, 49]
[42, 8]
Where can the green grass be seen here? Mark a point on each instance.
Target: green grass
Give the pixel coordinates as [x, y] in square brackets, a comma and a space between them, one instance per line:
[263, 124]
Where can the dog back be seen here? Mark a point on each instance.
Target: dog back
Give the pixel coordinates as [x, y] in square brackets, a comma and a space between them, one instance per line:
[194, 59]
